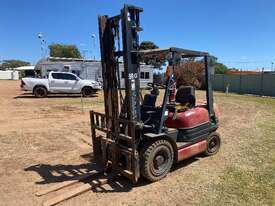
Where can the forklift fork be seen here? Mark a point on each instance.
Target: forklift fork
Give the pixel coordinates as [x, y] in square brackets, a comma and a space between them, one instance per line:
[117, 152]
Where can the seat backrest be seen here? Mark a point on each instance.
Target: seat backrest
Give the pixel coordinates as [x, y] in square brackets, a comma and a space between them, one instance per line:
[149, 100]
[186, 94]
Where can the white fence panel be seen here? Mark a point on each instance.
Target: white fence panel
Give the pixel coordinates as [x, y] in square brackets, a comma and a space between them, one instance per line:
[10, 75]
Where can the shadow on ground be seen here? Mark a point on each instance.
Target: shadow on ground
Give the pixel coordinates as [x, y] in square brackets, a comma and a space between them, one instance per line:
[60, 173]
[30, 96]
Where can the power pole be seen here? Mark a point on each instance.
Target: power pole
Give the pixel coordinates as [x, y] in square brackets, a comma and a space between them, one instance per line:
[42, 44]
[93, 45]
[84, 51]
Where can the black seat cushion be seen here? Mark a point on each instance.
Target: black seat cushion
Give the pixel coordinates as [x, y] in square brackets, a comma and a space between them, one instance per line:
[186, 95]
[149, 103]
[149, 100]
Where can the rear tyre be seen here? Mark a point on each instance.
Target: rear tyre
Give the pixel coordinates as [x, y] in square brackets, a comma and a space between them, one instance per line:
[156, 160]
[213, 144]
[40, 92]
[87, 91]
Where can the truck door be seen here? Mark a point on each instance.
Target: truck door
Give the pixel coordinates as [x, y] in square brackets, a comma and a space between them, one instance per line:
[70, 83]
[63, 82]
[56, 82]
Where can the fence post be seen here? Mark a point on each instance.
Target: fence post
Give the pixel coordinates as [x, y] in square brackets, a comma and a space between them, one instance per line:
[262, 82]
[223, 82]
[240, 88]
[227, 89]
[82, 103]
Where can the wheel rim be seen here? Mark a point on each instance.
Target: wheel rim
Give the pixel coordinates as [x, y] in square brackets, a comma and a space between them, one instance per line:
[40, 92]
[213, 144]
[87, 92]
[160, 162]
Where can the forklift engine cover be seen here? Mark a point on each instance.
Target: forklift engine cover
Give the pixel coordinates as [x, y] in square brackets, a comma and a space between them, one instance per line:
[188, 119]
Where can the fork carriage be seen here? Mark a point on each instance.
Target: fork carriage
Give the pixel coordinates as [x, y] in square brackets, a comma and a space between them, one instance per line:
[114, 148]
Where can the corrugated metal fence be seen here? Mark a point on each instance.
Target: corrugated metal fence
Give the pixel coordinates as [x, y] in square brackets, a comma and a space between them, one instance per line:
[258, 84]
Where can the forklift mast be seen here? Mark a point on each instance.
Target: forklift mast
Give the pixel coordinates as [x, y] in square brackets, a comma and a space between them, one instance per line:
[109, 30]
[122, 112]
[130, 29]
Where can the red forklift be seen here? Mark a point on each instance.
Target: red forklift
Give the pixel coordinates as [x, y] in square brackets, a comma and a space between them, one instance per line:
[136, 137]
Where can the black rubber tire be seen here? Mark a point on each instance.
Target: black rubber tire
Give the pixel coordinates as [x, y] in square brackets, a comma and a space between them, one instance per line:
[40, 92]
[87, 91]
[213, 144]
[149, 154]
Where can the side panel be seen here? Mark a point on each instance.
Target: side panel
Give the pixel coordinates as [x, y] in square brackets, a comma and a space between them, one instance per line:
[56, 85]
[189, 119]
[192, 150]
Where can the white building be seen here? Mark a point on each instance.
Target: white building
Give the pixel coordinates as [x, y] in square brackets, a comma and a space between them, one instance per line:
[25, 71]
[9, 75]
[146, 75]
[86, 69]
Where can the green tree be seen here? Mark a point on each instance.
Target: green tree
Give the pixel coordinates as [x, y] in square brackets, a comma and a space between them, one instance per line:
[220, 68]
[145, 45]
[13, 63]
[148, 45]
[64, 50]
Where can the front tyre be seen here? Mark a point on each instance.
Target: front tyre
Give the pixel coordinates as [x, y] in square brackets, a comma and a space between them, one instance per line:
[87, 91]
[156, 160]
[40, 92]
[213, 144]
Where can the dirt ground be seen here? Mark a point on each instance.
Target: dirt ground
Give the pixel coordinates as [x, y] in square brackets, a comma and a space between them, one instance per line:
[46, 141]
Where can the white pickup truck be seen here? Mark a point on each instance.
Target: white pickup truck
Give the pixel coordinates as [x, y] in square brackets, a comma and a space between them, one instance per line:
[60, 82]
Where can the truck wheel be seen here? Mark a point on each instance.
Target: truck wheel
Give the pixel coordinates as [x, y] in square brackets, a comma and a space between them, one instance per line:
[87, 91]
[213, 144]
[156, 160]
[40, 92]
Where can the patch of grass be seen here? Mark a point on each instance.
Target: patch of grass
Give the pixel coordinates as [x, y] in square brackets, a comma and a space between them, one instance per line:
[248, 98]
[240, 187]
[250, 179]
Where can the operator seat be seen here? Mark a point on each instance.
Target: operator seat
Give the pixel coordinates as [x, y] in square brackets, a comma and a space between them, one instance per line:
[185, 99]
[149, 100]
[149, 104]
[181, 112]
[148, 107]
[186, 96]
